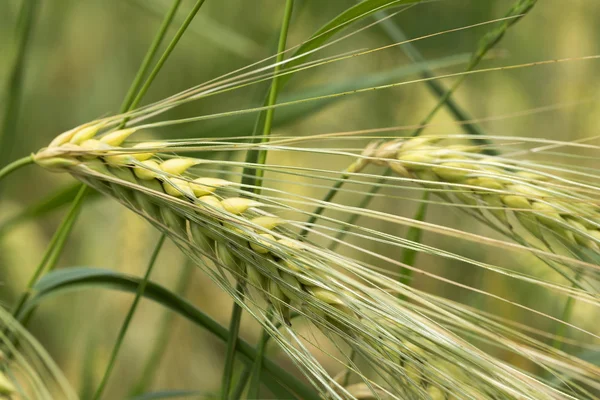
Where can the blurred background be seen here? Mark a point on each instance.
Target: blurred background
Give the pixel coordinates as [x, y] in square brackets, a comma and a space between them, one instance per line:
[82, 58]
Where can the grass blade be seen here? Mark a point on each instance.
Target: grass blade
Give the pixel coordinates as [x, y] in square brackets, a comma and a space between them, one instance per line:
[13, 100]
[414, 235]
[253, 176]
[69, 279]
[162, 339]
[232, 341]
[137, 81]
[123, 331]
[254, 389]
[136, 101]
[52, 253]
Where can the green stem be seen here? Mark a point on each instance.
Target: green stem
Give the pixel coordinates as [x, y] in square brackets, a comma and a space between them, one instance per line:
[254, 388]
[128, 318]
[346, 379]
[15, 165]
[15, 83]
[241, 384]
[566, 316]
[232, 341]
[162, 339]
[135, 85]
[52, 253]
[136, 101]
[560, 330]
[363, 204]
[65, 281]
[328, 197]
[252, 176]
[414, 235]
[262, 154]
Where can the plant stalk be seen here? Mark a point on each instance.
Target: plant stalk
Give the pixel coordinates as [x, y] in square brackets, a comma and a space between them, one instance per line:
[253, 176]
[161, 62]
[234, 330]
[162, 339]
[52, 253]
[15, 83]
[254, 388]
[128, 318]
[15, 165]
[137, 81]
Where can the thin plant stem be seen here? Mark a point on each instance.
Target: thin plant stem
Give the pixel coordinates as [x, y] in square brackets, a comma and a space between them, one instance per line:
[137, 81]
[160, 345]
[346, 379]
[566, 316]
[241, 384]
[252, 176]
[262, 154]
[366, 200]
[254, 388]
[128, 318]
[414, 234]
[188, 20]
[328, 197]
[234, 330]
[52, 252]
[15, 81]
[15, 165]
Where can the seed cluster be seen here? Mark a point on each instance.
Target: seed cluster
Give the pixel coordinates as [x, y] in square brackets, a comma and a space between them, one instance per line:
[257, 255]
[484, 183]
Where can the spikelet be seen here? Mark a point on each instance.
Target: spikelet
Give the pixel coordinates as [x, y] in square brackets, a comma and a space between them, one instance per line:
[543, 209]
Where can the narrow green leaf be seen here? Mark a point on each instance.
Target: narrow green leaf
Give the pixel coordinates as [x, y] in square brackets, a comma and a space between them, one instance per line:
[414, 235]
[14, 91]
[232, 342]
[125, 326]
[337, 24]
[162, 339]
[51, 255]
[69, 279]
[143, 69]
